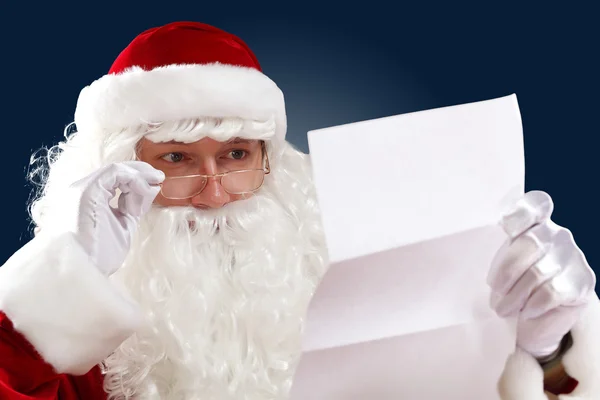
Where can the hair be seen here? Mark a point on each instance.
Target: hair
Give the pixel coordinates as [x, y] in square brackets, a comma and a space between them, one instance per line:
[284, 266]
[182, 278]
[53, 169]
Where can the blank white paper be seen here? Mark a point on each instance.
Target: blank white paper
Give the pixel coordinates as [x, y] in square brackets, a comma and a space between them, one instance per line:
[410, 206]
[417, 176]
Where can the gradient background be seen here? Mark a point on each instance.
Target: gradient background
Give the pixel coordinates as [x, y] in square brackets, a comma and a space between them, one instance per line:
[335, 65]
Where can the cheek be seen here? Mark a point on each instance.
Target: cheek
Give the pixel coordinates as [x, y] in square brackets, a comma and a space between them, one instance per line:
[236, 197]
[162, 201]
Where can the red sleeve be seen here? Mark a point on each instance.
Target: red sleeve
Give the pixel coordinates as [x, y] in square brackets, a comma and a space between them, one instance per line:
[567, 388]
[24, 375]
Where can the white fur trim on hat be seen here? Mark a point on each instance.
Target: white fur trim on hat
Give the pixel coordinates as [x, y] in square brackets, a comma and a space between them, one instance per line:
[523, 377]
[176, 92]
[61, 303]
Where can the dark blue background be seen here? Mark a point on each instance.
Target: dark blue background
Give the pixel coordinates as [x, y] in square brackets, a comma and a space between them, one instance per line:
[335, 64]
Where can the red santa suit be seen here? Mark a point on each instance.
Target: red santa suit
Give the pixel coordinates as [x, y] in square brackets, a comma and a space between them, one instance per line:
[62, 319]
[25, 374]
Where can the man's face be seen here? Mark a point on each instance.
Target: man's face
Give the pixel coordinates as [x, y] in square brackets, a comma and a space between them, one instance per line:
[205, 157]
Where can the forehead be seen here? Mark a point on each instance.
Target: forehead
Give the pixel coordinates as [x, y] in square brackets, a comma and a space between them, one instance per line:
[204, 145]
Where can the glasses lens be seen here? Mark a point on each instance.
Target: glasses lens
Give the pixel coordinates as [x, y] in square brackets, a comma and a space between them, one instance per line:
[239, 182]
[182, 187]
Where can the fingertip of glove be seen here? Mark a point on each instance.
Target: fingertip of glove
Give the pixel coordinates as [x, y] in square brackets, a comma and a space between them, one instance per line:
[159, 176]
[531, 209]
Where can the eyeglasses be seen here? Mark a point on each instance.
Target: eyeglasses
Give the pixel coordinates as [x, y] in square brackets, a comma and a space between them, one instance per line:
[233, 182]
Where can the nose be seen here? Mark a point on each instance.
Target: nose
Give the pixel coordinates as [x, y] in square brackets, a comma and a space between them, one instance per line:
[213, 195]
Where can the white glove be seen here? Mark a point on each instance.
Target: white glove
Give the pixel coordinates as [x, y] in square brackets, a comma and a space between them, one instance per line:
[540, 275]
[106, 232]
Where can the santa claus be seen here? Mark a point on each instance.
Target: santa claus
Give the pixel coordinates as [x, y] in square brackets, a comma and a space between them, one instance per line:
[178, 243]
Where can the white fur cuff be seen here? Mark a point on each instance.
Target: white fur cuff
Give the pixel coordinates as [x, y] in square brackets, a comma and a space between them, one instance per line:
[63, 305]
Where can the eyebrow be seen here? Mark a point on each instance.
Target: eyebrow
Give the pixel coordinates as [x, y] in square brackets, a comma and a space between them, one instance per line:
[235, 140]
[232, 141]
[173, 142]
[238, 140]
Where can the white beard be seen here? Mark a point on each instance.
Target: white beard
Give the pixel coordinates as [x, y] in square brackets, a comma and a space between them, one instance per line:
[224, 297]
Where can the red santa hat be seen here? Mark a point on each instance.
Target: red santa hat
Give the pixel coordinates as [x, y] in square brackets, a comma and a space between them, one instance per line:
[181, 70]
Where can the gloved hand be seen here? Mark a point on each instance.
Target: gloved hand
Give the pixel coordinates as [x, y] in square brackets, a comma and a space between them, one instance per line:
[106, 232]
[540, 275]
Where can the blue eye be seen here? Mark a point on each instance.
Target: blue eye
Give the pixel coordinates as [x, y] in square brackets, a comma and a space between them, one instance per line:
[173, 157]
[237, 154]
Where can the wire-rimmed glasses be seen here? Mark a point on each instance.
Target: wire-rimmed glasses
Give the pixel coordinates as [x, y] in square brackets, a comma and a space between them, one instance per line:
[233, 182]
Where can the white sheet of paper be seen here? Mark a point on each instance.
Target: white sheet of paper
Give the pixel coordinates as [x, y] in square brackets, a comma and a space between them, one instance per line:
[410, 206]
